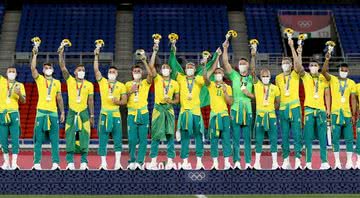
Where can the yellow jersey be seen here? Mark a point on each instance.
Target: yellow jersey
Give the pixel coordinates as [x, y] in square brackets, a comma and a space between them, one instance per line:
[164, 88]
[47, 91]
[265, 96]
[289, 89]
[9, 99]
[78, 93]
[314, 88]
[190, 93]
[217, 98]
[108, 91]
[340, 95]
[138, 100]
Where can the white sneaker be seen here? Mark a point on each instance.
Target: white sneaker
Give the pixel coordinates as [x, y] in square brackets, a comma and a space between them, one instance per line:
[5, 166]
[297, 163]
[37, 167]
[186, 166]
[324, 166]
[70, 166]
[170, 165]
[84, 166]
[308, 165]
[275, 165]
[215, 166]
[15, 167]
[55, 166]
[257, 166]
[237, 165]
[152, 166]
[337, 165]
[131, 166]
[199, 165]
[118, 166]
[286, 164]
[227, 165]
[349, 165]
[103, 167]
[139, 166]
[248, 166]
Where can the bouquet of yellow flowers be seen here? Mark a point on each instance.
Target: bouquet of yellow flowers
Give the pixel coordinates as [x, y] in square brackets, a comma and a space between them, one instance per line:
[231, 34]
[289, 32]
[173, 37]
[301, 39]
[156, 38]
[254, 43]
[66, 43]
[36, 42]
[330, 46]
[99, 43]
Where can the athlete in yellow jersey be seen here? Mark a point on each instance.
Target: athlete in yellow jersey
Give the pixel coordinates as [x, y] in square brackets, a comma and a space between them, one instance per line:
[316, 89]
[78, 121]
[190, 122]
[11, 93]
[138, 114]
[220, 97]
[163, 116]
[49, 91]
[290, 109]
[343, 92]
[113, 94]
[267, 98]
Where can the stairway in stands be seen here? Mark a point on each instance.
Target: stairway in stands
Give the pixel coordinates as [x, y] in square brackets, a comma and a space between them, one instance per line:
[9, 32]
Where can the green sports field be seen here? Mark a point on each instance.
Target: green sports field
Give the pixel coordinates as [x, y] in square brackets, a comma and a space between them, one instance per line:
[182, 196]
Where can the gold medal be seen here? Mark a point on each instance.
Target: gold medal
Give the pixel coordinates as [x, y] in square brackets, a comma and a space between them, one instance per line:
[316, 96]
[136, 98]
[7, 100]
[78, 99]
[166, 96]
[343, 99]
[189, 96]
[287, 93]
[266, 103]
[48, 98]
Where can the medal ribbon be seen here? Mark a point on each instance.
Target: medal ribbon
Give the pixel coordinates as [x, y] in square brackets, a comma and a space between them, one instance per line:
[342, 88]
[166, 87]
[49, 87]
[190, 85]
[10, 89]
[316, 84]
[78, 89]
[287, 83]
[266, 92]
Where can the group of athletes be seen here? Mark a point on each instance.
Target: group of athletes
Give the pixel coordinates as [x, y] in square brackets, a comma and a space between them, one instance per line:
[175, 86]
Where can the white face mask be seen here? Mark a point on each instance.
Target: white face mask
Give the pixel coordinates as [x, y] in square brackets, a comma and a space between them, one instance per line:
[265, 80]
[81, 75]
[314, 70]
[48, 72]
[11, 76]
[165, 72]
[218, 77]
[112, 76]
[242, 68]
[136, 76]
[190, 72]
[343, 74]
[286, 67]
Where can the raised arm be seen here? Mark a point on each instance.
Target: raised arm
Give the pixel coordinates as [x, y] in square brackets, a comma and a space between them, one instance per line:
[60, 103]
[34, 71]
[152, 60]
[209, 64]
[207, 73]
[174, 64]
[62, 64]
[97, 72]
[325, 68]
[149, 77]
[297, 58]
[225, 58]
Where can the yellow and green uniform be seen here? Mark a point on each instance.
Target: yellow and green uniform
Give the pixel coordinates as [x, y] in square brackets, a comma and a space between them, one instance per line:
[110, 118]
[47, 117]
[138, 119]
[77, 120]
[315, 113]
[265, 121]
[9, 114]
[163, 117]
[241, 114]
[358, 123]
[290, 112]
[219, 119]
[190, 122]
[341, 112]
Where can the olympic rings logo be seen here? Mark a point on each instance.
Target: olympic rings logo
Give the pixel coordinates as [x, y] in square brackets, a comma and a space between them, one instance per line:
[197, 176]
[304, 24]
